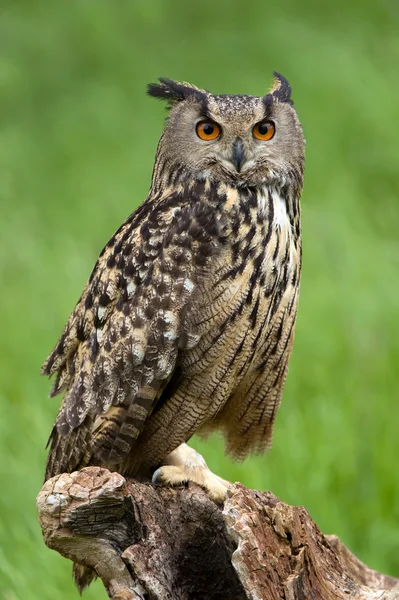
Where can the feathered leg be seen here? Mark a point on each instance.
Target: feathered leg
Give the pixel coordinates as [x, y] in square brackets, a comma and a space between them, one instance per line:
[185, 464]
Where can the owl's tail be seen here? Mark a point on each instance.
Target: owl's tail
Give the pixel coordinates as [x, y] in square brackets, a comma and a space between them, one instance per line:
[82, 576]
[68, 453]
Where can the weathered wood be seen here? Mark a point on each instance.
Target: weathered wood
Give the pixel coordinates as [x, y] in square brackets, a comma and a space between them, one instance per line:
[176, 544]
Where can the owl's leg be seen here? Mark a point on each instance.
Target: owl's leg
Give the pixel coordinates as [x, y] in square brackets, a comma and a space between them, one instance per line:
[186, 464]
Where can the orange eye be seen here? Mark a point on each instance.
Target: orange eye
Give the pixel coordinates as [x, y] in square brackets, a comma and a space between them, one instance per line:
[208, 130]
[264, 130]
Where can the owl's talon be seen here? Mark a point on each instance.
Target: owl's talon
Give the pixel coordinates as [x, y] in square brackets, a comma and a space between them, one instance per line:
[156, 478]
[168, 475]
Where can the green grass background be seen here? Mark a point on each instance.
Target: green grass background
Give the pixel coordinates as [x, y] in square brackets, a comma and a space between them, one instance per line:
[77, 141]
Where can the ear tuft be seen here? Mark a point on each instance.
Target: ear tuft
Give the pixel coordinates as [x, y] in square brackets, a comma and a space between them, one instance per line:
[174, 91]
[281, 89]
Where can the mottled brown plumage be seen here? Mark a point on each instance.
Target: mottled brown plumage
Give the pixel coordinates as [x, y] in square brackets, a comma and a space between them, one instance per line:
[187, 322]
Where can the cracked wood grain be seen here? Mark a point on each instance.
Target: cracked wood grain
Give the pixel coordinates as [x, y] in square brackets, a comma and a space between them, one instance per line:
[176, 544]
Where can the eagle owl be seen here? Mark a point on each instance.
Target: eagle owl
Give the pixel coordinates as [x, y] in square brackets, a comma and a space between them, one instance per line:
[187, 322]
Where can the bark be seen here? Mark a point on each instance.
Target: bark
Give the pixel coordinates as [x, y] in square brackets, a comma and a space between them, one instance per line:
[176, 544]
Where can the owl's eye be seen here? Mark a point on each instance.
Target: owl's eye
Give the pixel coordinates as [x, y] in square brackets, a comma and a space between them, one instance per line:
[208, 130]
[264, 130]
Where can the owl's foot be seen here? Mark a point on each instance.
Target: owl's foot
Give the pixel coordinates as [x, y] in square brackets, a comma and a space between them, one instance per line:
[185, 464]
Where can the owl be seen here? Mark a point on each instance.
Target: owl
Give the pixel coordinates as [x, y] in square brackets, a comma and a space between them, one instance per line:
[186, 324]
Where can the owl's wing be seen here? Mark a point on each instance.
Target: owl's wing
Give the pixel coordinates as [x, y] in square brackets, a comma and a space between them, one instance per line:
[120, 345]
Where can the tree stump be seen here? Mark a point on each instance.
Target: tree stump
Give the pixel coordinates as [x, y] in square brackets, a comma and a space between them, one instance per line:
[176, 544]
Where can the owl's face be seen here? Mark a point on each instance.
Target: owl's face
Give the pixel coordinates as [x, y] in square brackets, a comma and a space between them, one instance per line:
[243, 140]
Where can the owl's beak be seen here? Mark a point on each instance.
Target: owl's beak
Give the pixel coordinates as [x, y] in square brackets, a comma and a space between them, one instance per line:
[238, 155]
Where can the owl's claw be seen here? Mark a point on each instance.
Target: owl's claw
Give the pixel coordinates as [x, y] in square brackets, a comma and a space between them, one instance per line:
[184, 465]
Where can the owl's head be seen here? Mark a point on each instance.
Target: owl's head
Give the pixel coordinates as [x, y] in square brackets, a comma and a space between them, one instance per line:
[242, 140]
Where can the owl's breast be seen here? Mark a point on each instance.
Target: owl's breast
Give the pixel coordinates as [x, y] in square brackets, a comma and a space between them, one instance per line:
[255, 275]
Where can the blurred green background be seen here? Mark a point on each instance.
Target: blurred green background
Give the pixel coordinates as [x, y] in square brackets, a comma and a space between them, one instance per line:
[77, 141]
